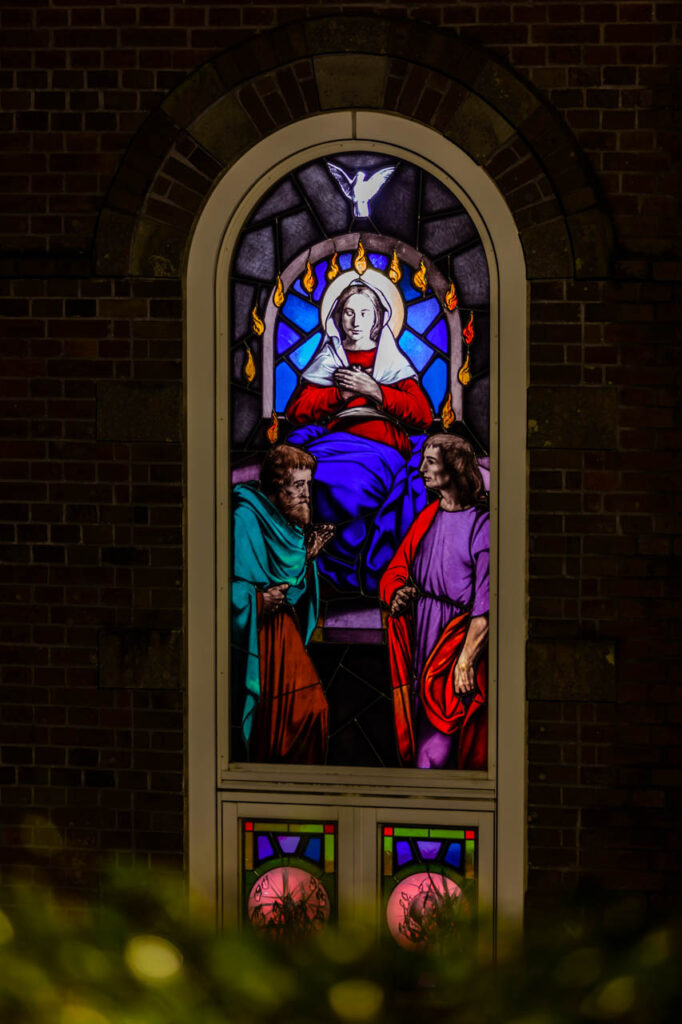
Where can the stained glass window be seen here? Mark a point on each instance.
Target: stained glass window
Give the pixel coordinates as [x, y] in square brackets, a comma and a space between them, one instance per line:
[288, 876]
[425, 338]
[428, 883]
[359, 327]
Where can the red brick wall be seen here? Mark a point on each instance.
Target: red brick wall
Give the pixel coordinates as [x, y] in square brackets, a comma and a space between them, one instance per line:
[91, 523]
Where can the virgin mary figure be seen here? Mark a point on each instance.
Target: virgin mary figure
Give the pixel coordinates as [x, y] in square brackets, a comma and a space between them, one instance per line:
[362, 413]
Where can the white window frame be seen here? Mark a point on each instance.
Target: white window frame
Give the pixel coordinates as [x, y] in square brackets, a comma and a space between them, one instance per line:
[212, 781]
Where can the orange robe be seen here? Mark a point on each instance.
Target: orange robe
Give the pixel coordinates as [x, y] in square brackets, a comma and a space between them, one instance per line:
[291, 717]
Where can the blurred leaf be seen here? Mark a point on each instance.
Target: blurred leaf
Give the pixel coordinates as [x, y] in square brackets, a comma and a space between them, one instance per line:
[140, 957]
[152, 959]
[356, 999]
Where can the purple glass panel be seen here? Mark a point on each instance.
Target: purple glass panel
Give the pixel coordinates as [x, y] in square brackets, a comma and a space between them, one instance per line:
[264, 847]
[353, 622]
[352, 618]
[403, 852]
[288, 844]
[428, 848]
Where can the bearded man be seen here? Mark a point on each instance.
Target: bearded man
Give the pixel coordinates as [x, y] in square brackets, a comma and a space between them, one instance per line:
[275, 604]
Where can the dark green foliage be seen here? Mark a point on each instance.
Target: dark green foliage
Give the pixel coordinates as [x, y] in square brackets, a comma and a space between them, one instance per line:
[141, 958]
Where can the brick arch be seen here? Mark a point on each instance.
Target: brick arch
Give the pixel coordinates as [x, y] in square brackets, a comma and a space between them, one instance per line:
[284, 75]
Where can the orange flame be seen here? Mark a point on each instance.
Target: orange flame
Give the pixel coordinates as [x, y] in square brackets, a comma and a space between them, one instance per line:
[309, 279]
[464, 375]
[451, 299]
[257, 324]
[447, 414]
[360, 261]
[394, 271]
[272, 433]
[333, 267]
[278, 297]
[468, 332]
[249, 366]
[419, 280]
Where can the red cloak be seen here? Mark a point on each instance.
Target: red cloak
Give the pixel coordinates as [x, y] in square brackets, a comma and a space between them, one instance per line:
[404, 401]
[444, 708]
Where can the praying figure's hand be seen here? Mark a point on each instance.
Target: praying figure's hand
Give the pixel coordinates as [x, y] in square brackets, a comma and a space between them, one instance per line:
[401, 600]
[354, 382]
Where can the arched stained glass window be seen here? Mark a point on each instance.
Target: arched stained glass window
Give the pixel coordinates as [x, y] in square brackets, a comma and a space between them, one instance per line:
[359, 330]
[371, 331]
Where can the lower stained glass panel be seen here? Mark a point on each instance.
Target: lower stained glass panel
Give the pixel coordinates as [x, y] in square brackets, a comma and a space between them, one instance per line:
[428, 883]
[288, 876]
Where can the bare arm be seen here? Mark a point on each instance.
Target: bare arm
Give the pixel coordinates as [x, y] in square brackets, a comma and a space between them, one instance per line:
[474, 642]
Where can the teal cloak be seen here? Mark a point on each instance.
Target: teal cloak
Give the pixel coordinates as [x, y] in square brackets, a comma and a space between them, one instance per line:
[267, 549]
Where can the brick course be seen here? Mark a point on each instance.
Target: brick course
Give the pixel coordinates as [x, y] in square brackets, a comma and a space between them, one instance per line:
[112, 118]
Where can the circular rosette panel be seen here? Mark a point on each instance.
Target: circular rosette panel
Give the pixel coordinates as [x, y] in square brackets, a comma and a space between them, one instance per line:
[422, 909]
[287, 902]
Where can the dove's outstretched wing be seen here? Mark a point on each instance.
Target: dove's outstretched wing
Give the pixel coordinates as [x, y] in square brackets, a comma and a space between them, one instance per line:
[374, 183]
[345, 183]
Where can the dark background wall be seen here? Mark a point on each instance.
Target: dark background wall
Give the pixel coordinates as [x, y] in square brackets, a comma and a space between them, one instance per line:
[109, 151]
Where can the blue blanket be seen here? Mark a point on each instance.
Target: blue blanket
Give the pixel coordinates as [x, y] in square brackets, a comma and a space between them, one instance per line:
[371, 493]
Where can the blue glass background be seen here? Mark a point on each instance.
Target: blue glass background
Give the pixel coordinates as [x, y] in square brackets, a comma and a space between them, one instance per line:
[299, 335]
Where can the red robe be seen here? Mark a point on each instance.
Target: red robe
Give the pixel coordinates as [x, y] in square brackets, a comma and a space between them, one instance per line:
[444, 708]
[404, 401]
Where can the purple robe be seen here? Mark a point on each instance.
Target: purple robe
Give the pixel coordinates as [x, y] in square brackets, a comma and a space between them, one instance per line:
[451, 569]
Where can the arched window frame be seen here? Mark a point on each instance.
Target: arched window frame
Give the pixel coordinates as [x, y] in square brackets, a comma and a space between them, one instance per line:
[206, 283]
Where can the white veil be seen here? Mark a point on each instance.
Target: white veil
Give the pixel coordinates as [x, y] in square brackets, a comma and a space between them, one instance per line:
[390, 365]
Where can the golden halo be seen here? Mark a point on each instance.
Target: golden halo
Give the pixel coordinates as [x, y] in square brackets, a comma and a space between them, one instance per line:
[374, 279]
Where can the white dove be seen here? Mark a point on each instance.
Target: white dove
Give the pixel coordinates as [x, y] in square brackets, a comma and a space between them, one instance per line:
[361, 189]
